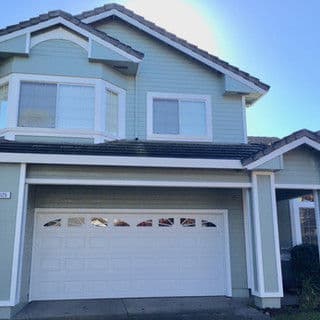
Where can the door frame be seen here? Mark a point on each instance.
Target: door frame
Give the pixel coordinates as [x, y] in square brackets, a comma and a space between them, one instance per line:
[223, 212]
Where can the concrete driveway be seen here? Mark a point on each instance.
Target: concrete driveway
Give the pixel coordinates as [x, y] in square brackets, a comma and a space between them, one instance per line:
[202, 308]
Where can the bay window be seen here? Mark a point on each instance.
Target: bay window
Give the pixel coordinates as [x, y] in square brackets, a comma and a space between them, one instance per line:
[56, 106]
[179, 117]
[3, 105]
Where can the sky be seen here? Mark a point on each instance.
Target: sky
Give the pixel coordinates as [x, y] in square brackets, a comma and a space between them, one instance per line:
[276, 41]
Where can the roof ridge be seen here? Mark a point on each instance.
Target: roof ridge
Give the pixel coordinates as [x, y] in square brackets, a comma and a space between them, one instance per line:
[174, 37]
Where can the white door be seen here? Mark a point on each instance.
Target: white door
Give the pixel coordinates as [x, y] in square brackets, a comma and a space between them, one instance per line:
[113, 255]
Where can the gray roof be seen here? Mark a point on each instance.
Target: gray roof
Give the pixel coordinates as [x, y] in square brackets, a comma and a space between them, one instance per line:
[246, 153]
[282, 142]
[139, 149]
[59, 13]
[173, 37]
[262, 140]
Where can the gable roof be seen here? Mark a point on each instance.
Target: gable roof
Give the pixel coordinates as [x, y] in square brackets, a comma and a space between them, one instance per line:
[99, 13]
[282, 146]
[74, 21]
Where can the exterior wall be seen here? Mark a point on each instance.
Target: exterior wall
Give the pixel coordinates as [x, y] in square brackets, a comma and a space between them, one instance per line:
[131, 173]
[9, 181]
[163, 69]
[274, 164]
[44, 139]
[16, 45]
[164, 198]
[301, 166]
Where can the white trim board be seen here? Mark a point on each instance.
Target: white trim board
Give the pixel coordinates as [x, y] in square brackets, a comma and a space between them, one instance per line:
[174, 44]
[119, 161]
[59, 34]
[282, 150]
[151, 183]
[72, 26]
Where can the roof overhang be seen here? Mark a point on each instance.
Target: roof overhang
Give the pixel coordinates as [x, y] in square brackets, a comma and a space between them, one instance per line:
[270, 154]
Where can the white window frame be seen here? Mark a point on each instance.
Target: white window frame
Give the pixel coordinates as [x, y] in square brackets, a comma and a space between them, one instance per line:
[98, 134]
[177, 137]
[295, 206]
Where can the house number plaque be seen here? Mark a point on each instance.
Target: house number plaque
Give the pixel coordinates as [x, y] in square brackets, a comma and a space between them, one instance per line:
[5, 195]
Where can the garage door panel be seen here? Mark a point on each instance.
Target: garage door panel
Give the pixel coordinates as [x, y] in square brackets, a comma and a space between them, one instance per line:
[95, 256]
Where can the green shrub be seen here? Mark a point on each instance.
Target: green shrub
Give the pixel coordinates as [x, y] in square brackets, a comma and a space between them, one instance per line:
[309, 297]
[305, 263]
[306, 270]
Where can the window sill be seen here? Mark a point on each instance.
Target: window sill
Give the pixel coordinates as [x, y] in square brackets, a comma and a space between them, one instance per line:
[98, 137]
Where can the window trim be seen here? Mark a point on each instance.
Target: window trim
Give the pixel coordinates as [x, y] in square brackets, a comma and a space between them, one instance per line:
[99, 133]
[179, 96]
[295, 205]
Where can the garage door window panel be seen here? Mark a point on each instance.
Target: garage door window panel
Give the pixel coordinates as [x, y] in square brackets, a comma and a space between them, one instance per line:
[188, 222]
[99, 222]
[120, 223]
[53, 223]
[76, 221]
[166, 222]
[145, 223]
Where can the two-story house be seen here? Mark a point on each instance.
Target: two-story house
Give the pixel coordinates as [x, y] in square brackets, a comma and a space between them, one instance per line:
[125, 168]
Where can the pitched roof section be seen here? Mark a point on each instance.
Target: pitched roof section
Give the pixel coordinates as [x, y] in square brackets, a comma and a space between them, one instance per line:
[262, 140]
[280, 143]
[62, 14]
[139, 149]
[173, 37]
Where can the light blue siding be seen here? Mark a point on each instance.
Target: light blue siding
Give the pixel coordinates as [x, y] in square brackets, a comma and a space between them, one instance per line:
[15, 45]
[163, 69]
[9, 181]
[273, 164]
[301, 166]
[99, 52]
[133, 174]
[48, 139]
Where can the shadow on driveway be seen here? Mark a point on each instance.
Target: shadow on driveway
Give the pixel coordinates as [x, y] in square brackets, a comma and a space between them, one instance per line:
[202, 308]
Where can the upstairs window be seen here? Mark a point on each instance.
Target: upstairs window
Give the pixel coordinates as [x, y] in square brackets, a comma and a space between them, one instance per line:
[179, 118]
[54, 105]
[3, 105]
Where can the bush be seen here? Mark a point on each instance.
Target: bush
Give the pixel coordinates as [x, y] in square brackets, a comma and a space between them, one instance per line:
[305, 263]
[306, 269]
[309, 297]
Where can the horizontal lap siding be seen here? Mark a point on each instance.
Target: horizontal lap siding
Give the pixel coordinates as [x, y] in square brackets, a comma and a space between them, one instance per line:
[9, 182]
[301, 166]
[130, 173]
[163, 69]
[158, 198]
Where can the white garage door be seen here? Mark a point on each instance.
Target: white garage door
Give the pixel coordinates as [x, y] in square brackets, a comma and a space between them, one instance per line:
[112, 255]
